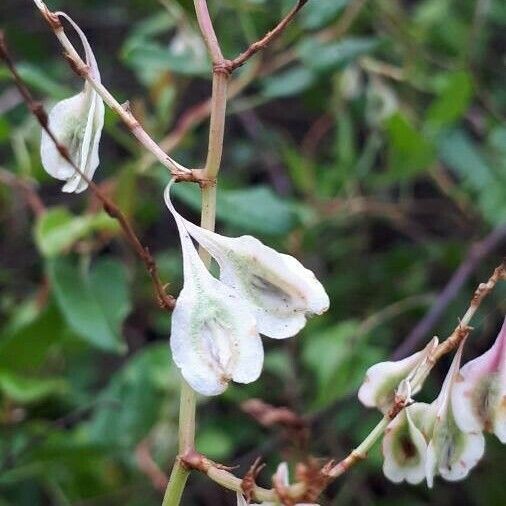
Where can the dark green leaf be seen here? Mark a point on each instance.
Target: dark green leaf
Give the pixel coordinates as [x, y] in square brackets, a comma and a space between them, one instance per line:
[135, 398]
[94, 303]
[255, 209]
[460, 153]
[25, 390]
[150, 59]
[330, 56]
[409, 151]
[57, 229]
[317, 14]
[25, 344]
[453, 100]
[337, 357]
[288, 83]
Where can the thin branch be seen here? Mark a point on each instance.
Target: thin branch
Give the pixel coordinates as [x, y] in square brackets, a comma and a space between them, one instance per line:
[261, 44]
[330, 34]
[37, 109]
[148, 466]
[31, 196]
[208, 33]
[77, 64]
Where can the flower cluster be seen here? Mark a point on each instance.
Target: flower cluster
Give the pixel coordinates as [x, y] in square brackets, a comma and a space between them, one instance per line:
[445, 437]
[216, 323]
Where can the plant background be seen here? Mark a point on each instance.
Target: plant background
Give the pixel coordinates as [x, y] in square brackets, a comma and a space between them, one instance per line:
[376, 153]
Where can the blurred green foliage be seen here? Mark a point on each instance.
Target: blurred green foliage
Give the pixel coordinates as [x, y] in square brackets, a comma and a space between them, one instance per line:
[368, 141]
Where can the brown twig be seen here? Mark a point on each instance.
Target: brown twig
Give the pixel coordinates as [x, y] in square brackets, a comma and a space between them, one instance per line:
[37, 109]
[179, 172]
[463, 329]
[296, 428]
[259, 45]
[148, 466]
[460, 333]
[27, 188]
[249, 481]
[268, 415]
[332, 33]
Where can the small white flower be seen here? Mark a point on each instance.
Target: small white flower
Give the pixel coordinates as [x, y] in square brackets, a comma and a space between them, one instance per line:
[479, 392]
[405, 444]
[451, 452]
[382, 380]
[281, 477]
[280, 291]
[214, 338]
[77, 123]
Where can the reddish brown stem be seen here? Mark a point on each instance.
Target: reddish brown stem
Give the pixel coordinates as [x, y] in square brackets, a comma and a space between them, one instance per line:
[31, 196]
[261, 44]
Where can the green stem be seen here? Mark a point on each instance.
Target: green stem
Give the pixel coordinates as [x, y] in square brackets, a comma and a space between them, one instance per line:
[175, 488]
[179, 474]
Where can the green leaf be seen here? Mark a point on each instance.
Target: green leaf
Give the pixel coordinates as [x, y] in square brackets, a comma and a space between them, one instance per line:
[215, 442]
[328, 57]
[458, 151]
[290, 82]
[156, 24]
[135, 398]
[149, 59]
[94, 303]
[35, 78]
[453, 101]
[57, 229]
[337, 357]
[26, 390]
[255, 209]
[25, 344]
[409, 151]
[301, 168]
[317, 14]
